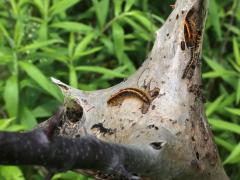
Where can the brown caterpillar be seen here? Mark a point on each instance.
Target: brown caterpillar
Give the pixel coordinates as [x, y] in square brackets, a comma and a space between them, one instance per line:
[190, 65]
[192, 38]
[189, 28]
[120, 96]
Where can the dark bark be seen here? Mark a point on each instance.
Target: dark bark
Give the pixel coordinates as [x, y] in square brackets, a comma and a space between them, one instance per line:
[62, 153]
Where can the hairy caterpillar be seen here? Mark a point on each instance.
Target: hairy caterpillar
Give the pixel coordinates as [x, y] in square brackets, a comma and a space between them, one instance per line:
[145, 97]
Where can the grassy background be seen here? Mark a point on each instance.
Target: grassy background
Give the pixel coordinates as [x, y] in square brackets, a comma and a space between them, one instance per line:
[94, 44]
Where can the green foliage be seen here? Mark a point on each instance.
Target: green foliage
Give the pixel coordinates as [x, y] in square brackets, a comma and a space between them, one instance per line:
[95, 44]
[11, 172]
[222, 80]
[69, 176]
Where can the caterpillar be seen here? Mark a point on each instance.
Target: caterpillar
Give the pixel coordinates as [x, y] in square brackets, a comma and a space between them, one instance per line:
[120, 96]
[190, 65]
[192, 37]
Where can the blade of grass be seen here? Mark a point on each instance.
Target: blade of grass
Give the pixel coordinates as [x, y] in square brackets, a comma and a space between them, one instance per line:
[233, 111]
[39, 44]
[73, 80]
[224, 125]
[4, 123]
[18, 33]
[41, 80]
[102, 70]
[11, 96]
[233, 29]
[27, 118]
[82, 45]
[138, 29]
[228, 146]
[39, 4]
[117, 7]
[214, 18]
[11, 172]
[142, 19]
[212, 107]
[234, 157]
[236, 51]
[72, 26]
[118, 39]
[87, 52]
[238, 92]
[71, 45]
[62, 5]
[101, 10]
[128, 5]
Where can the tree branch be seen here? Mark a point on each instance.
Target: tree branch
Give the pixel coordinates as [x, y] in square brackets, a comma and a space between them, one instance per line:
[35, 148]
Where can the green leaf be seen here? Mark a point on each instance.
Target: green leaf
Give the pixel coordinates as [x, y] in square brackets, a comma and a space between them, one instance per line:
[7, 35]
[14, 7]
[10, 125]
[214, 18]
[18, 33]
[233, 29]
[220, 71]
[11, 97]
[4, 123]
[158, 18]
[11, 173]
[69, 175]
[118, 39]
[234, 157]
[227, 101]
[141, 18]
[238, 92]
[101, 9]
[224, 125]
[39, 4]
[109, 47]
[101, 70]
[87, 52]
[41, 112]
[17, 128]
[128, 5]
[72, 26]
[73, 77]
[62, 5]
[212, 107]
[117, 7]
[233, 111]
[119, 69]
[139, 30]
[71, 45]
[40, 44]
[222, 74]
[43, 32]
[236, 51]
[235, 65]
[218, 67]
[46, 109]
[41, 80]
[128, 63]
[228, 146]
[82, 45]
[27, 118]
